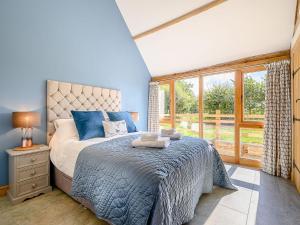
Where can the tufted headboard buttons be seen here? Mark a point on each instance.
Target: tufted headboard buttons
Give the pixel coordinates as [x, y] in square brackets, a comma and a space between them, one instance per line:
[63, 97]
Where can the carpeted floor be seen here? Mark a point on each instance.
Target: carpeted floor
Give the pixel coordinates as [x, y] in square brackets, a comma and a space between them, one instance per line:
[260, 200]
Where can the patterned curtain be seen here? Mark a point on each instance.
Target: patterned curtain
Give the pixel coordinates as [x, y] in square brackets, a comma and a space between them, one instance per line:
[153, 108]
[278, 120]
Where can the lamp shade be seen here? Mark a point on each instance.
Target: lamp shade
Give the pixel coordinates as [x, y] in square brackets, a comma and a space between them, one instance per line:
[134, 116]
[26, 119]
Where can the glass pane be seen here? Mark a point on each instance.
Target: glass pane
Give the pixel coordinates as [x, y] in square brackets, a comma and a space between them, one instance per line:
[218, 117]
[164, 106]
[187, 101]
[251, 143]
[254, 96]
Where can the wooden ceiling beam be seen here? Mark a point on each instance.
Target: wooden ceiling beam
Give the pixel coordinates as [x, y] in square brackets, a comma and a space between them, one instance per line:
[180, 18]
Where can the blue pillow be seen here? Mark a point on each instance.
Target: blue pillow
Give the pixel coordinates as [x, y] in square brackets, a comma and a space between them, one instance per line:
[89, 124]
[117, 116]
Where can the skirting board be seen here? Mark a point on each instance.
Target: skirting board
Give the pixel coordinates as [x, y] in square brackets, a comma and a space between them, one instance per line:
[3, 190]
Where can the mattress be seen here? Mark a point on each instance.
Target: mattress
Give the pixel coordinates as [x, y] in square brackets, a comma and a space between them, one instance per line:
[64, 153]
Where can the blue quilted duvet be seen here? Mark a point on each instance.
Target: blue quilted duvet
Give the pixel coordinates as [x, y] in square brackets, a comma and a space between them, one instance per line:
[129, 186]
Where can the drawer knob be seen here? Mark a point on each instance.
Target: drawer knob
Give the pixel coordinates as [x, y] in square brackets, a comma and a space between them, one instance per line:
[34, 186]
[33, 173]
[33, 159]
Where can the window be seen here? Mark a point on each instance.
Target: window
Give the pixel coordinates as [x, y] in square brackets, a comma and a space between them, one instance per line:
[187, 106]
[251, 143]
[164, 106]
[218, 111]
[254, 95]
[226, 109]
[251, 132]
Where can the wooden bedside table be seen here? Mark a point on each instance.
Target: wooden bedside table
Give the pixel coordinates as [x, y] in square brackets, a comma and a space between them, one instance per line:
[29, 173]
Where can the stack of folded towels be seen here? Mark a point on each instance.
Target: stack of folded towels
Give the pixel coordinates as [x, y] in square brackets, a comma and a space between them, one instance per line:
[171, 133]
[151, 140]
[154, 140]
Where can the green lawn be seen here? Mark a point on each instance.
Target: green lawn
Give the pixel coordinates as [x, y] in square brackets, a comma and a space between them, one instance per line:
[248, 135]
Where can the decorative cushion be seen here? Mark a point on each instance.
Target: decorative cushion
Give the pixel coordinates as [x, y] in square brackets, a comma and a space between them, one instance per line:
[112, 128]
[89, 124]
[66, 129]
[117, 116]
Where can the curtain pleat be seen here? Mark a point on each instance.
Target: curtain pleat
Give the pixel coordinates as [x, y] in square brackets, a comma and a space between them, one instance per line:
[278, 120]
[153, 108]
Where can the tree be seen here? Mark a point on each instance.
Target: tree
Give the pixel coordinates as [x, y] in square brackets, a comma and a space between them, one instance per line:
[254, 96]
[219, 97]
[186, 101]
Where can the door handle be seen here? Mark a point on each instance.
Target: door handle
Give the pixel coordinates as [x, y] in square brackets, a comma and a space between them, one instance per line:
[297, 100]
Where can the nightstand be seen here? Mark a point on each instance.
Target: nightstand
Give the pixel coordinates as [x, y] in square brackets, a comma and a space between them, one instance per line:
[29, 173]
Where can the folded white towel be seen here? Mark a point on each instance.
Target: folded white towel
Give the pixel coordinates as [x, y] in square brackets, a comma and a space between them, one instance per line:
[170, 131]
[161, 142]
[175, 136]
[149, 136]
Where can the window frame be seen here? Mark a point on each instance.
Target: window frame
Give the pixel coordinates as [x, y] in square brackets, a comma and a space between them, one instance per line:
[172, 100]
[238, 107]
[200, 102]
[168, 83]
[240, 123]
[247, 123]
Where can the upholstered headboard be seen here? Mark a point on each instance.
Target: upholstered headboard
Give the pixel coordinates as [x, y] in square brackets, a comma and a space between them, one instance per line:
[63, 97]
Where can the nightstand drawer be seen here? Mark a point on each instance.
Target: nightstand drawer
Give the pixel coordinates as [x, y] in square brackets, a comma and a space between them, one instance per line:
[32, 185]
[32, 159]
[29, 173]
[32, 171]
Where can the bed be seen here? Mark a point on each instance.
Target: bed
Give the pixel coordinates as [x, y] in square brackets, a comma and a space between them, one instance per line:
[120, 184]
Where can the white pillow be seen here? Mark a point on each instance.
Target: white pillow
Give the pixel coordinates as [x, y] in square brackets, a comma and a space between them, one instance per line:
[112, 128]
[66, 129]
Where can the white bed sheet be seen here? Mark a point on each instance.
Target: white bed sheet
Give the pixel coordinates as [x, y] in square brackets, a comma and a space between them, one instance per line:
[64, 153]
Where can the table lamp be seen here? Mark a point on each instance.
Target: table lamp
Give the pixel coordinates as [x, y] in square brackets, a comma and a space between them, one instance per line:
[26, 121]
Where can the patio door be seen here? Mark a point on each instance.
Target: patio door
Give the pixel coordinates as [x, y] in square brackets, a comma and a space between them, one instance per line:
[218, 113]
[250, 117]
[187, 106]
[226, 109]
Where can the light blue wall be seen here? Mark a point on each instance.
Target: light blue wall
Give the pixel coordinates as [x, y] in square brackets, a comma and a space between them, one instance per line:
[83, 41]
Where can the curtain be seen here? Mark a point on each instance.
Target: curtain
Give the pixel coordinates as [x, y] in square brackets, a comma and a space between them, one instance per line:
[153, 108]
[278, 120]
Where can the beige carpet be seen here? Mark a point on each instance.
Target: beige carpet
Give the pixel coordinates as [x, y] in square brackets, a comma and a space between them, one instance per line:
[261, 200]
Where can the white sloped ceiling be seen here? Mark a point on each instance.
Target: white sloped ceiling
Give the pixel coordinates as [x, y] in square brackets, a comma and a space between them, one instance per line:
[230, 31]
